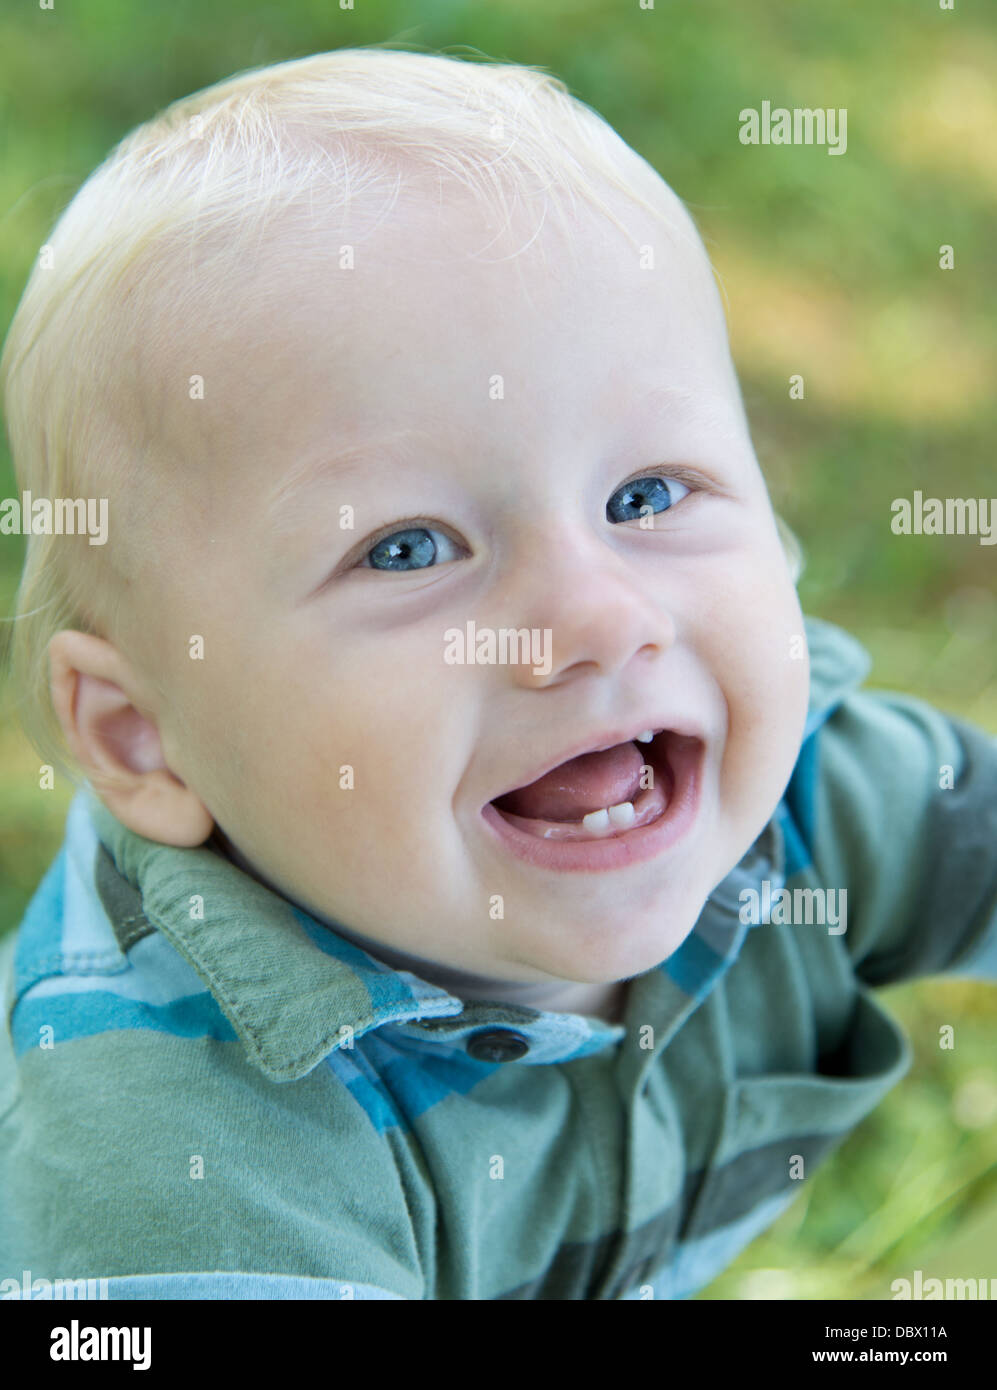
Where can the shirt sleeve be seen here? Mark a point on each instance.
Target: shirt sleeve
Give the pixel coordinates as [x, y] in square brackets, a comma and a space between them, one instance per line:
[904, 810]
[169, 1167]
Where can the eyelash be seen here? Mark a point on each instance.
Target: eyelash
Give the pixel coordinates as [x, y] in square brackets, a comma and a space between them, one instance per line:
[691, 479]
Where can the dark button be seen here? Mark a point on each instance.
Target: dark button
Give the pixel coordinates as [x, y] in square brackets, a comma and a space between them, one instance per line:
[497, 1045]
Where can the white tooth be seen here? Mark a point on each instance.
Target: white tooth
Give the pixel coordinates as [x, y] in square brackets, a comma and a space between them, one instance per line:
[645, 737]
[596, 822]
[622, 815]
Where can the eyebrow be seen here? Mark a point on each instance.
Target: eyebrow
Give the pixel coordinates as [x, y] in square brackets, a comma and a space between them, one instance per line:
[700, 407]
[354, 462]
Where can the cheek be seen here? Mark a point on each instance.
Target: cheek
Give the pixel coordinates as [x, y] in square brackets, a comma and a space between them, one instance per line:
[753, 634]
[357, 765]
[769, 680]
[760, 662]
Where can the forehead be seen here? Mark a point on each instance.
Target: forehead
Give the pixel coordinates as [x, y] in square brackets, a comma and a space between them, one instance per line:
[430, 279]
[426, 311]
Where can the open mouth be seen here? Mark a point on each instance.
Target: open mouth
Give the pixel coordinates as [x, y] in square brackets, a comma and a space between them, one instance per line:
[607, 794]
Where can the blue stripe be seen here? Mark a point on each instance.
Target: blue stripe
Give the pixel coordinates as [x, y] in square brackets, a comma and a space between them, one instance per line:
[422, 1081]
[39, 937]
[372, 1098]
[377, 1071]
[797, 812]
[693, 966]
[803, 791]
[86, 1015]
[797, 854]
[154, 973]
[818, 717]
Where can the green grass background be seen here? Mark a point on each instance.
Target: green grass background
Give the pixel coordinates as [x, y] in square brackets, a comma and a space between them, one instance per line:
[830, 267]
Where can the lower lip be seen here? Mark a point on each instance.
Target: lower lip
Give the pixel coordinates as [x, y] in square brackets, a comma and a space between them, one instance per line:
[617, 851]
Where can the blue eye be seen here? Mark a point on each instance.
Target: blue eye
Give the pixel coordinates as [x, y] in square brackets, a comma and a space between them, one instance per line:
[651, 492]
[414, 546]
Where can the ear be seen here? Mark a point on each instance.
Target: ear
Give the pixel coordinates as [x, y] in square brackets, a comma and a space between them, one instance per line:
[96, 695]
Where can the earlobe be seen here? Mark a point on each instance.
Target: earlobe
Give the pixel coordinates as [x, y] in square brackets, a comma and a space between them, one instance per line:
[117, 744]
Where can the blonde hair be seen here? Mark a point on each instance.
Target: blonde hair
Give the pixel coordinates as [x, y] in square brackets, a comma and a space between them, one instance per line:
[217, 166]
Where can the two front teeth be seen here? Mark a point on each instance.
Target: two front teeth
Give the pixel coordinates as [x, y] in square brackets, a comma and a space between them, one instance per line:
[621, 816]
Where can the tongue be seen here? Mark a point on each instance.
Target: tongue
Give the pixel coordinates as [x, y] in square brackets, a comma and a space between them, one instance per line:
[589, 783]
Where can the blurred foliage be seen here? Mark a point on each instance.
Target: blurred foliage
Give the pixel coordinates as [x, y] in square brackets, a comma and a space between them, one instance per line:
[829, 265]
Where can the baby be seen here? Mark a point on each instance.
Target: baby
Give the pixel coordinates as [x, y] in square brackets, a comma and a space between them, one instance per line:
[378, 964]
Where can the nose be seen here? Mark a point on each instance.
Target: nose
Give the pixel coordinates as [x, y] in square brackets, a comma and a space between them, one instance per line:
[597, 605]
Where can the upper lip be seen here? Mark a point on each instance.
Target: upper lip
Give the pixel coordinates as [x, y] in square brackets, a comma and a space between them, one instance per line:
[598, 742]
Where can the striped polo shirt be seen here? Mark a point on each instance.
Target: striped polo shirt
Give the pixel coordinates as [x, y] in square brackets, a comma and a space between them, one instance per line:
[207, 1093]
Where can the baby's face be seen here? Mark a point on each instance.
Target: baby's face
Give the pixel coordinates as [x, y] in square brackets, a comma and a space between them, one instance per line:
[498, 409]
